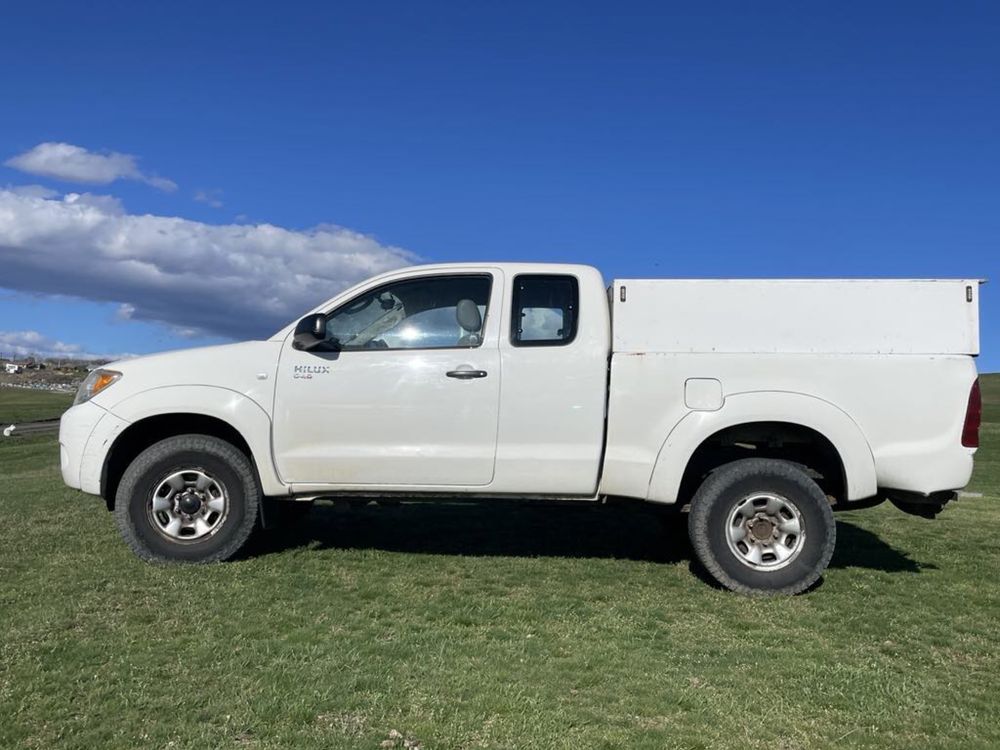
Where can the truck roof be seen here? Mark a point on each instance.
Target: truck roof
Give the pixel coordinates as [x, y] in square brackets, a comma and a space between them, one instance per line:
[511, 266]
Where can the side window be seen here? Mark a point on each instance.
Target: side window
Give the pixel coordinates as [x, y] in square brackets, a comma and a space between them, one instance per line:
[435, 312]
[545, 310]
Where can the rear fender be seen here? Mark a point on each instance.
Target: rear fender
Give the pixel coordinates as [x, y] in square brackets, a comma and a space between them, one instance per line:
[765, 406]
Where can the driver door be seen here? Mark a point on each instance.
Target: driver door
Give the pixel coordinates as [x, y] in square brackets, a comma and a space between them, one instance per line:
[405, 393]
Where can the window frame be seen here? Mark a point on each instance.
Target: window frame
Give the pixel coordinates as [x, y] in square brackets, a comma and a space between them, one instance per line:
[515, 310]
[376, 289]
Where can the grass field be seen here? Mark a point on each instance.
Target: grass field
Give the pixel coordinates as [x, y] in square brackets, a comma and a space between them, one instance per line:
[489, 627]
[24, 405]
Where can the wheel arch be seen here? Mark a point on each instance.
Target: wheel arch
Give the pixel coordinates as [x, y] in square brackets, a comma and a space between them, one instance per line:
[203, 410]
[795, 416]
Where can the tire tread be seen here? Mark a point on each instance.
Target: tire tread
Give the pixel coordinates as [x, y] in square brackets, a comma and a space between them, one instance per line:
[710, 492]
[162, 450]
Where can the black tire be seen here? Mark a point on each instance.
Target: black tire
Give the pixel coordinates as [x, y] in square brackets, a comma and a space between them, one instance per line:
[727, 488]
[225, 463]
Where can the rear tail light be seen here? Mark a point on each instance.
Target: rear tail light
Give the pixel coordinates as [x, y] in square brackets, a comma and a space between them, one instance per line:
[973, 415]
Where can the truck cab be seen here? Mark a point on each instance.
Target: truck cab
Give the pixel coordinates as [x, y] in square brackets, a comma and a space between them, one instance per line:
[489, 379]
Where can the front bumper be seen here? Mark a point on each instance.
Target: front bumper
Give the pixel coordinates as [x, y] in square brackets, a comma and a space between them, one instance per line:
[86, 432]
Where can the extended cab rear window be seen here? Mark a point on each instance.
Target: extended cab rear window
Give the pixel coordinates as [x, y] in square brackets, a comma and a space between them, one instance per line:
[545, 310]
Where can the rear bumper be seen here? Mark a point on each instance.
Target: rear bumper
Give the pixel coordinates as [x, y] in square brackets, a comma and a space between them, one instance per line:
[926, 471]
[86, 432]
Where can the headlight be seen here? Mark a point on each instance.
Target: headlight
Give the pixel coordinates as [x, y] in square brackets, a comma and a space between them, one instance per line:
[96, 382]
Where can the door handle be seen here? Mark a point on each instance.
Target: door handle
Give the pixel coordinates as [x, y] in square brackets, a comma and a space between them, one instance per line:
[466, 374]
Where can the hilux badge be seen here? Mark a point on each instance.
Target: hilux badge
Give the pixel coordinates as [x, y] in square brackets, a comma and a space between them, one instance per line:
[306, 372]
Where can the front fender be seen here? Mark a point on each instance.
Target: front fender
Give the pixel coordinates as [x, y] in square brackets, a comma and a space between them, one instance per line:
[765, 406]
[235, 409]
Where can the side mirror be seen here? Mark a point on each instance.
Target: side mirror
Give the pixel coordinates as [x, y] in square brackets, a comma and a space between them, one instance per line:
[310, 332]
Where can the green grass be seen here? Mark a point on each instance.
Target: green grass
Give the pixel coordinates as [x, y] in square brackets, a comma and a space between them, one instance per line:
[24, 405]
[491, 626]
[987, 476]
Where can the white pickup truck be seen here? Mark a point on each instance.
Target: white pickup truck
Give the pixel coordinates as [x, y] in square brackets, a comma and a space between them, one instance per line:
[758, 405]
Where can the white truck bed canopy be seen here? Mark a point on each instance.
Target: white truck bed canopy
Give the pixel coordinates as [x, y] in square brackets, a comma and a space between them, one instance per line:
[809, 316]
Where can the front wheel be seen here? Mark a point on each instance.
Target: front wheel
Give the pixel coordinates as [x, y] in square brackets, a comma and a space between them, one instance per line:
[189, 498]
[762, 527]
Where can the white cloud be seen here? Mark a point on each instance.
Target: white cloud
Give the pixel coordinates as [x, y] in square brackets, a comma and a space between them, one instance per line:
[33, 191]
[125, 311]
[32, 343]
[212, 198]
[106, 203]
[235, 280]
[185, 333]
[64, 161]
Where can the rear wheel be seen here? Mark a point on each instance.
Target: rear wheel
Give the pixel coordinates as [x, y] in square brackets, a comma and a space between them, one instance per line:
[762, 527]
[189, 498]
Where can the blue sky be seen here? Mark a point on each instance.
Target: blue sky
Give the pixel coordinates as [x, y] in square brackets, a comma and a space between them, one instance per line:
[699, 139]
